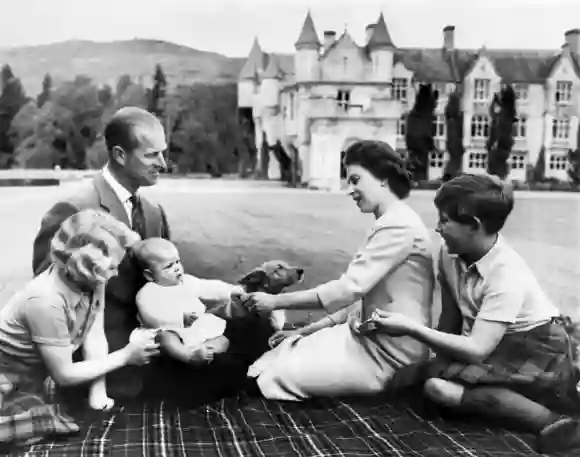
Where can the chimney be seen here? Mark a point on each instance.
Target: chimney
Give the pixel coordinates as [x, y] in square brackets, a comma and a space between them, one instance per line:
[449, 38]
[566, 49]
[572, 38]
[370, 28]
[329, 37]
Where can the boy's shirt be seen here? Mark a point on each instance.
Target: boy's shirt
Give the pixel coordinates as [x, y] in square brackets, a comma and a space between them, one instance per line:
[166, 306]
[499, 287]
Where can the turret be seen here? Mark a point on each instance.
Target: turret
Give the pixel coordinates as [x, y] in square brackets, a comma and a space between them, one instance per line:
[270, 91]
[307, 57]
[248, 79]
[381, 50]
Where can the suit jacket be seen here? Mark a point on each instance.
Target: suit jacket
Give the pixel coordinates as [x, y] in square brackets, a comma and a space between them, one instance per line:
[120, 307]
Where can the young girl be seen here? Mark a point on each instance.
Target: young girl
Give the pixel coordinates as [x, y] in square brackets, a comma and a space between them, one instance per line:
[502, 350]
[55, 314]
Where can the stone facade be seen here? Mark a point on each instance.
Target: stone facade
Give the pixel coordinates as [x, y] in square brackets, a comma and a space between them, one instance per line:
[330, 93]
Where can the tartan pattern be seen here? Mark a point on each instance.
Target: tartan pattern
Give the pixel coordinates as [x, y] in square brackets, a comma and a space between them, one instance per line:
[26, 417]
[538, 363]
[249, 427]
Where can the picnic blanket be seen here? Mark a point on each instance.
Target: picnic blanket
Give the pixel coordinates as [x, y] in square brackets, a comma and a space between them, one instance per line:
[255, 427]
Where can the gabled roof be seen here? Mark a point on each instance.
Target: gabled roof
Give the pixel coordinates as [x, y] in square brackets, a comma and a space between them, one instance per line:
[308, 36]
[380, 38]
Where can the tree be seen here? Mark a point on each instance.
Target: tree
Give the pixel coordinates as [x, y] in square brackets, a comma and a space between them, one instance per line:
[12, 99]
[573, 170]
[123, 83]
[500, 140]
[46, 93]
[419, 132]
[454, 133]
[6, 75]
[157, 94]
[134, 95]
[24, 124]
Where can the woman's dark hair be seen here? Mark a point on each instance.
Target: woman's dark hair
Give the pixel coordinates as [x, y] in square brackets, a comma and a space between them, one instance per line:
[383, 162]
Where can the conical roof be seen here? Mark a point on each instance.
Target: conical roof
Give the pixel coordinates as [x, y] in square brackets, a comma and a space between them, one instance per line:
[308, 36]
[380, 37]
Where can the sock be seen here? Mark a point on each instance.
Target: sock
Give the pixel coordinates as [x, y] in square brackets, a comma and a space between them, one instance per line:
[507, 404]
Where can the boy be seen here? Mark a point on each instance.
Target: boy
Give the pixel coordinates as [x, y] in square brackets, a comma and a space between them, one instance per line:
[501, 348]
[174, 302]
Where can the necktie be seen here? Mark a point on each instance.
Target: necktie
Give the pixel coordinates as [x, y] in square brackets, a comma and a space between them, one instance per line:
[137, 216]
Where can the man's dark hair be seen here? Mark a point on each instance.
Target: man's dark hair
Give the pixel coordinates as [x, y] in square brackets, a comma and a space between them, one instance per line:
[484, 197]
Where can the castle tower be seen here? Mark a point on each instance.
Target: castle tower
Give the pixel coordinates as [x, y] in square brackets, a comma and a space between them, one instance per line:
[271, 77]
[307, 57]
[381, 49]
[248, 78]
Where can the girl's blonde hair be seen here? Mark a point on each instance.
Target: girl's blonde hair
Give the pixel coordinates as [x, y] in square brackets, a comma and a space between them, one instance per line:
[86, 244]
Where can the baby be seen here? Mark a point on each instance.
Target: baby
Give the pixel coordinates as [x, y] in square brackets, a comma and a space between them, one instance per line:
[173, 302]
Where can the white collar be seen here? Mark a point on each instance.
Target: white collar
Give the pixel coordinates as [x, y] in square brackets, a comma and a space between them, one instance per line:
[122, 194]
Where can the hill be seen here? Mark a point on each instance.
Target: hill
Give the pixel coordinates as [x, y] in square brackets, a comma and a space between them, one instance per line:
[104, 62]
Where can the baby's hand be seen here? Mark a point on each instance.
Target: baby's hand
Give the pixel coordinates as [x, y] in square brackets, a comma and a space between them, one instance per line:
[189, 319]
[101, 402]
[237, 293]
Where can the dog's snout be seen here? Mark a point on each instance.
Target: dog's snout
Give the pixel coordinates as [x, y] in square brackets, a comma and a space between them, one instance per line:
[300, 272]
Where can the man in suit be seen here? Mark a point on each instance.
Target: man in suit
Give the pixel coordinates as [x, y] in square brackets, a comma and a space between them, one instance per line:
[135, 141]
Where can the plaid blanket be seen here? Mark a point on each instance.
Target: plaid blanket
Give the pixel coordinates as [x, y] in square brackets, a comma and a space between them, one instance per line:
[248, 427]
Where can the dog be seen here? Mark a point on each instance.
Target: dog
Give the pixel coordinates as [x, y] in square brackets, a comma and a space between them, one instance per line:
[271, 277]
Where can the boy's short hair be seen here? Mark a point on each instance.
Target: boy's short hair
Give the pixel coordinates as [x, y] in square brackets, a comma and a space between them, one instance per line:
[148, 251]
[484, 197]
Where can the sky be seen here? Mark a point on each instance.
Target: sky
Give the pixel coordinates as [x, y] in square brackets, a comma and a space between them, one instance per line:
[229, 26]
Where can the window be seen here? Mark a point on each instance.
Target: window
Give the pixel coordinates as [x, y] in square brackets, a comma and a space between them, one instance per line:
[561, 128]
[482, 89]
[401, 126]
[343, 99]
[563, 92]
[479, 126]
[400, 89]
[439, 126]
[521, 91]
[519, 127]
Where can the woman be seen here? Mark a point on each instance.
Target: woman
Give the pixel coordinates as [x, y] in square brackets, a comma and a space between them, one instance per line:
[392, 271]
[51, 317]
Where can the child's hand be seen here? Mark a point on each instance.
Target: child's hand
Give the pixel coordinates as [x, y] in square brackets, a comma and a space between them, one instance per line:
[395, 324]
[237, 293]
[201, 354]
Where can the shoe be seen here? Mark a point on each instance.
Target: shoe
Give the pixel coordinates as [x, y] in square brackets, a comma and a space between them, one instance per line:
[559, 436]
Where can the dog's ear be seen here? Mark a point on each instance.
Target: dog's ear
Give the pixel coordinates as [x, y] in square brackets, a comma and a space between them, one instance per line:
[254, 279]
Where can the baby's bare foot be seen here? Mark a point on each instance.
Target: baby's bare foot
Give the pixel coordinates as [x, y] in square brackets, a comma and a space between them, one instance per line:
[101, 403]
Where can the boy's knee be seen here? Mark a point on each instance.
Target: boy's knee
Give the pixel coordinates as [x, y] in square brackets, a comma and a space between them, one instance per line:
[445, 393]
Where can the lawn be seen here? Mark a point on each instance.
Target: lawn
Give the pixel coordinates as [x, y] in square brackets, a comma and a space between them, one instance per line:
[225, 234]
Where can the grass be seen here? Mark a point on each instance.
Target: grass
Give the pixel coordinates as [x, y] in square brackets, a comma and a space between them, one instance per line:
[225, 234]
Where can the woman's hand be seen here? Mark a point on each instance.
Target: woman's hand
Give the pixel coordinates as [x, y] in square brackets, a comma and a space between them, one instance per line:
[141, 347]
[395, 324]
[260, 302]
[280, 336]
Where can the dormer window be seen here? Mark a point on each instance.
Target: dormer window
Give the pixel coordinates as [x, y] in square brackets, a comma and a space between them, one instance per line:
[482, 90]
[343, 99]
[563, 91]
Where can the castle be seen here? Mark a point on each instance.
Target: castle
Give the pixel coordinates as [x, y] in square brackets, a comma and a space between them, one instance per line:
[329, 94]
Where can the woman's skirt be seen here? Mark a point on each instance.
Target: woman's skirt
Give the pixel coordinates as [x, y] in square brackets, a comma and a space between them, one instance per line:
[539, 364]
[329, 362]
